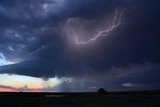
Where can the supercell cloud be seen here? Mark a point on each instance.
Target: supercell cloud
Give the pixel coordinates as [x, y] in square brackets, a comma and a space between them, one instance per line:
[38, 39]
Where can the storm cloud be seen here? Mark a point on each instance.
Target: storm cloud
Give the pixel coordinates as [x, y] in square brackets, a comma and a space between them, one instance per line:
[36, 38]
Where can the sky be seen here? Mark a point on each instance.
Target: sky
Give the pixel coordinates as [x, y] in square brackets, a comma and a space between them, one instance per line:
[79, 45]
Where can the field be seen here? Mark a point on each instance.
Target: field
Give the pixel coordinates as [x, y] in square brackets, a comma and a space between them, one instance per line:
[95, 99]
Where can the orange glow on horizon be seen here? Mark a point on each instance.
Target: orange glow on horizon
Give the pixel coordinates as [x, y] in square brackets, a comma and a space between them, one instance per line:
[7, 90]
[14, 90]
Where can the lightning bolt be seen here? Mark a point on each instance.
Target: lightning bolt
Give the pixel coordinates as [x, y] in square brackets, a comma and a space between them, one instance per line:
[113, 24]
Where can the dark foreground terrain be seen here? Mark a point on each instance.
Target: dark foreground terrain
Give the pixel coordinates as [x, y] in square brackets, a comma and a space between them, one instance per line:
[110, 99]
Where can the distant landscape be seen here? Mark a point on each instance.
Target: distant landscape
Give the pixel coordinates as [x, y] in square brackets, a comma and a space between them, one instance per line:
[81, 99]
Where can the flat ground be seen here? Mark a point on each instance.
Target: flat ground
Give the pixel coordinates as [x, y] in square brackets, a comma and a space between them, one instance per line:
[110, 99]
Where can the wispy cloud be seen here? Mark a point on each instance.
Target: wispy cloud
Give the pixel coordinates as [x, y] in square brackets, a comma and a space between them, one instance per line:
[131, 85]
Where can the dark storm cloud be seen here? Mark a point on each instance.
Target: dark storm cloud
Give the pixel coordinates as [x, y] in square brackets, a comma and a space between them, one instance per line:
[31, 31]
